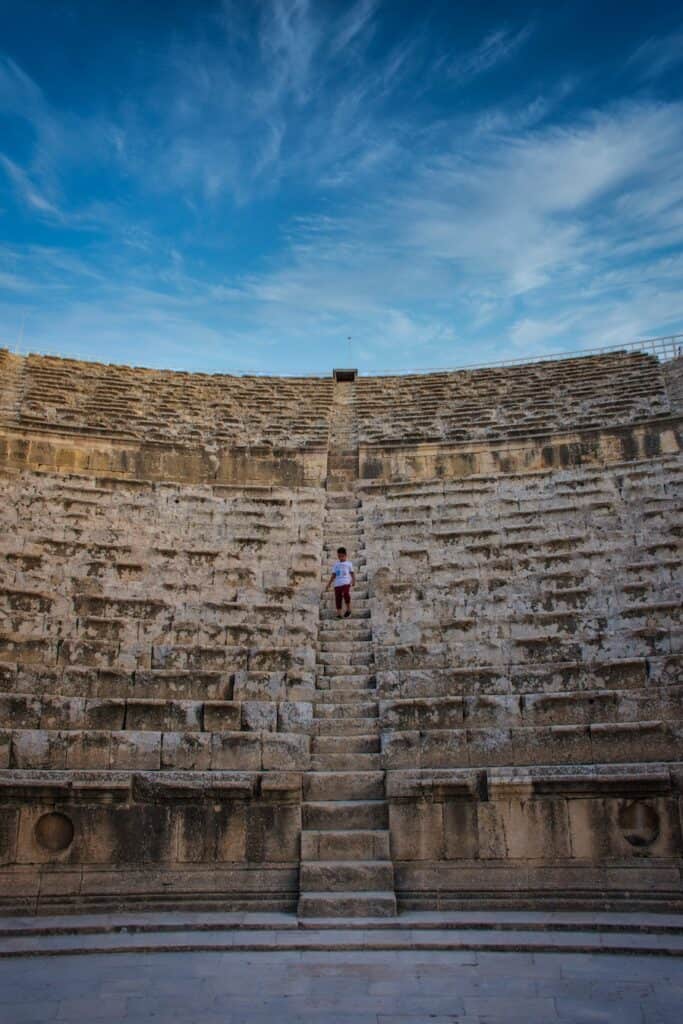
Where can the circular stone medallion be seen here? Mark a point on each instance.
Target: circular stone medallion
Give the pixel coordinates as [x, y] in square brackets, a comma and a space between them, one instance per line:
[639, 823]
[54, 832]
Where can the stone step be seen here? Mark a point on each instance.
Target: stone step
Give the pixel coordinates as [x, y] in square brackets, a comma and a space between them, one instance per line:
[330, 646]
[346, 876]
[359, 844]
[324, 710]
[329, 615]
[339, 658]
[343, 785]
[347, 696]
[345, 726]
[345, 745]
[336, 815]
[346, 762]
[342, 680]
[348, 904]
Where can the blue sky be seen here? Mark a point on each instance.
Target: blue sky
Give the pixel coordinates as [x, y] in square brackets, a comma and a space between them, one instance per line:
[243, 185]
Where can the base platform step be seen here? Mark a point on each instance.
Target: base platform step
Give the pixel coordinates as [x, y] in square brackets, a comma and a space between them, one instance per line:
[347, 904]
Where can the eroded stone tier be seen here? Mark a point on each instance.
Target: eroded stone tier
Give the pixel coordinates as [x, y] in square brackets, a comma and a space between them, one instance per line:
[195, 409]
[512, 402]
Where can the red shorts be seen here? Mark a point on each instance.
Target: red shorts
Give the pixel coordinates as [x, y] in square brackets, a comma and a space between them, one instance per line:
[343, 591]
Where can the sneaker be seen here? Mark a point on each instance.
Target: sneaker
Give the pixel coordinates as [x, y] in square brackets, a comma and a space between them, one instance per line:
[347, 613]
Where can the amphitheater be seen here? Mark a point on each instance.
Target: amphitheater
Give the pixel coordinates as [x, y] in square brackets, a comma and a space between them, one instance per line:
[185, 723]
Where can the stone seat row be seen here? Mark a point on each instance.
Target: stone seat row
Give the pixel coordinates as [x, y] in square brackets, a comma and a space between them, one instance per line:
[651, 740]
[162, 684]
[147, 714]
[568, 707]
[542, 649]
[59, 750]
[48, 651]
[56, 394]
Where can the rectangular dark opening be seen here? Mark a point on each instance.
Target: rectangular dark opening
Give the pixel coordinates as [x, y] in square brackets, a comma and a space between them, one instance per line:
[344, 375]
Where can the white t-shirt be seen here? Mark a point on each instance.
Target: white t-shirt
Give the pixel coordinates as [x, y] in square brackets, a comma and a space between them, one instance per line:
[342, 573]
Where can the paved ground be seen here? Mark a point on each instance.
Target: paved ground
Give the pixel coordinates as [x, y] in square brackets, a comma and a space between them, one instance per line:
[343, 988]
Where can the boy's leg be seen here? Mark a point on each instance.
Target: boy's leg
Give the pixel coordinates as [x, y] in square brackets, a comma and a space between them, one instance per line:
[347, 600]
[338, 600]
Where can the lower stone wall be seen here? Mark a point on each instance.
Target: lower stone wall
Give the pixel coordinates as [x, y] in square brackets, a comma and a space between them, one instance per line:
[413, 462]
[70, 453]
[73, 841]
[564, 837]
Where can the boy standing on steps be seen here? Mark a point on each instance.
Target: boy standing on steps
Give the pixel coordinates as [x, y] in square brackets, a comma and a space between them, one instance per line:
[343, 578]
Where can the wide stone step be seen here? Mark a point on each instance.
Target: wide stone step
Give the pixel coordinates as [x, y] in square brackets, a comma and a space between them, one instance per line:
[345, 745]
[347, 680]
[326, 815]
[343, 785]
[347, 904]
[352, 657]
[352, 709]
[350, 844]
[349, 695]
[345, 726]
[351, 645]
[351, 761]
[328, 614]
[348, 629]
[346, 876]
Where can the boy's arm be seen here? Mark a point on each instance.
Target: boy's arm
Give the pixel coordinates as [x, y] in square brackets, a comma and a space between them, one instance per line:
[353, 578]
[331, 580]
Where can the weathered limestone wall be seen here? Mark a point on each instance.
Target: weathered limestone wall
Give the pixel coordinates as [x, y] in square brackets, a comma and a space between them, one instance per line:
[424, 461]
[156, 670]
[673, 376]
[529, 653]
[67, 416]
[503, 405]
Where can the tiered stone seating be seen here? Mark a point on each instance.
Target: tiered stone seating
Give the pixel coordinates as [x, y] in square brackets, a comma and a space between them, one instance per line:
[156, 627]
[508, 403]
[129, 403]
[530, 620]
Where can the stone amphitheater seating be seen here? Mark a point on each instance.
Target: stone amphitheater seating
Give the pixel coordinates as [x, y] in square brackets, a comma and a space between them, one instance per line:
[183, 719]
[512, 402]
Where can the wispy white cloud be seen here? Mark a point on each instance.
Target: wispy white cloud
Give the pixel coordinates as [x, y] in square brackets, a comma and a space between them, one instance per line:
[498, 46]
[658, 55]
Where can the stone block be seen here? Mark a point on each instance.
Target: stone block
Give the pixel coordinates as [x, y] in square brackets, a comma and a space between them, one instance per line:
[273, 832]
[259, 716]
[295, 716]
[259, 686]
[491, 711]
[559, 744]
[489, 747]
[400, 749]
[222, 716]
[60, 712]
[286, 751]
[187, 751]
[38, 748]
[444, 748]
[5, 748]
[104, 713]
[88, 750]
[19, 711]
[417, 830]
[633, 741]
[461, 829]
[136, 751]
[235, 751]
[163, 715]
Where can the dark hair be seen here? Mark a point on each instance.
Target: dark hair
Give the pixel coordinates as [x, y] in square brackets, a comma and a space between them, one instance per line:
[341, 551]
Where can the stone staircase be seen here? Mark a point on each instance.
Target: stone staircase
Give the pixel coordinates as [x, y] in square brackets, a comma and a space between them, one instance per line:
[346, 868]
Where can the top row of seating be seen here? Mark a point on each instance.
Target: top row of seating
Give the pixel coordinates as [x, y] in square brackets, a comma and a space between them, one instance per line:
[193, 409]
[219, 410]
[507, 403]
